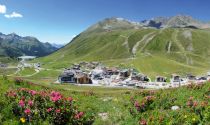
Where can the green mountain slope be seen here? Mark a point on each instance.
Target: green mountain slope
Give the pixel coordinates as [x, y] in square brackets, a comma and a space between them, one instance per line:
[152, 51]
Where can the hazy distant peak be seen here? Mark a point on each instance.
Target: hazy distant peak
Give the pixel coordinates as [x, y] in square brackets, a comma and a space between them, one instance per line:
[14, 45]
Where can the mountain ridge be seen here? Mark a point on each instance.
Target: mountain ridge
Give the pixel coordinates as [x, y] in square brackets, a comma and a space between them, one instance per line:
[178, 21]
[13, 45]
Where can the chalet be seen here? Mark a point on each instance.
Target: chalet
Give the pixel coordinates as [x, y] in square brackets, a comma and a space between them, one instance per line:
[112, 71]
[175, 78]
[191, 77]
[68, 76]
[160, 79]
[83, 78]
[124, 73]
[202, 78]
[139, 77]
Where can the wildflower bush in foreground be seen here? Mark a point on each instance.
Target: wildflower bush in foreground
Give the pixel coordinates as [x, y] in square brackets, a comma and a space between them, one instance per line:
[31, 106]
[151, 107]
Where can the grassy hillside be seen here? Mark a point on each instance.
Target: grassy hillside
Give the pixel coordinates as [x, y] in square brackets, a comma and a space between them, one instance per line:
[152, 51]
[103, 106]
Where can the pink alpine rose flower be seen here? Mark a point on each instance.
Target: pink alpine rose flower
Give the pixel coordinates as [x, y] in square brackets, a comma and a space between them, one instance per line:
[32, 92]
[27, 111]
[79, 115]
[30, 103]
[49, 109]
[21, 103]
[143, 122]
[58, 111]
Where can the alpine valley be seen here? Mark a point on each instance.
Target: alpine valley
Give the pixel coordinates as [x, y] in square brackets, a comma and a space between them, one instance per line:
[159, 46]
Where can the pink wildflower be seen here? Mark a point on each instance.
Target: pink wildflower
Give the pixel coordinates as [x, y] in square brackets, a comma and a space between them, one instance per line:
[21, 103]
[195, 103]
[55, 99]
[55, 96]
[27, 111]
[12, 94]
[30, 103]
[49, 109]
[143, 122]
[79, 115]
[32, 92]
[58, 111]
[136, 104]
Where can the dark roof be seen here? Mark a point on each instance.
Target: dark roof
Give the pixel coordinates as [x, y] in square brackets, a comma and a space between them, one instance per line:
[67, 73]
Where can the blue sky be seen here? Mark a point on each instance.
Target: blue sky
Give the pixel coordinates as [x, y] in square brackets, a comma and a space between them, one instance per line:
[57, 21]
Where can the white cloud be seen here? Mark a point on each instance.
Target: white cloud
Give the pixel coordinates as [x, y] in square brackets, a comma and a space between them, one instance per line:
[13, 15]
[3, 9]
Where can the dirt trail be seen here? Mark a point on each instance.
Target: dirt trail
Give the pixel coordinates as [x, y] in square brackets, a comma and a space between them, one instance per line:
[146, 38]
[182, 49]
[126, 42]
[169, 47]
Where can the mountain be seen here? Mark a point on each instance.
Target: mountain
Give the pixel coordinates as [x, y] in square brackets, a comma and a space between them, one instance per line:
[58, 46]
[179, 47]
[113, 24]
[179, 21]
[13, 45]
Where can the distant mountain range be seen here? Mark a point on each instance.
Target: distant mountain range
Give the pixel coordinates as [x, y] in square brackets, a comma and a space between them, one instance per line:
[58, 45]
[179, 21]
[13, 45]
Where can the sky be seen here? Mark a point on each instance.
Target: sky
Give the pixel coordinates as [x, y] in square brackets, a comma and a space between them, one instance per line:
[58, 21]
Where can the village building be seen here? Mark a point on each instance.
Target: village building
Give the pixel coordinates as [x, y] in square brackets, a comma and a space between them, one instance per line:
[68, 76]
[202, 78]
[191, 77]
[112, 71]
[140, 77]
[160, 79]
[175, 78]
[83, 78]
[124, 73]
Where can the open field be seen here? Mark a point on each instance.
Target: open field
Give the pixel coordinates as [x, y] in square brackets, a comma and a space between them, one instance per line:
[116, 104]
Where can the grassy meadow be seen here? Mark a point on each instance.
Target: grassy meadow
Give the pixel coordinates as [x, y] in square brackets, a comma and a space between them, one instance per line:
[113, 105]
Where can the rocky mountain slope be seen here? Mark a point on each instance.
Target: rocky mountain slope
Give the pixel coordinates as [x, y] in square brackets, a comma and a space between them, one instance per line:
[179, 21]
